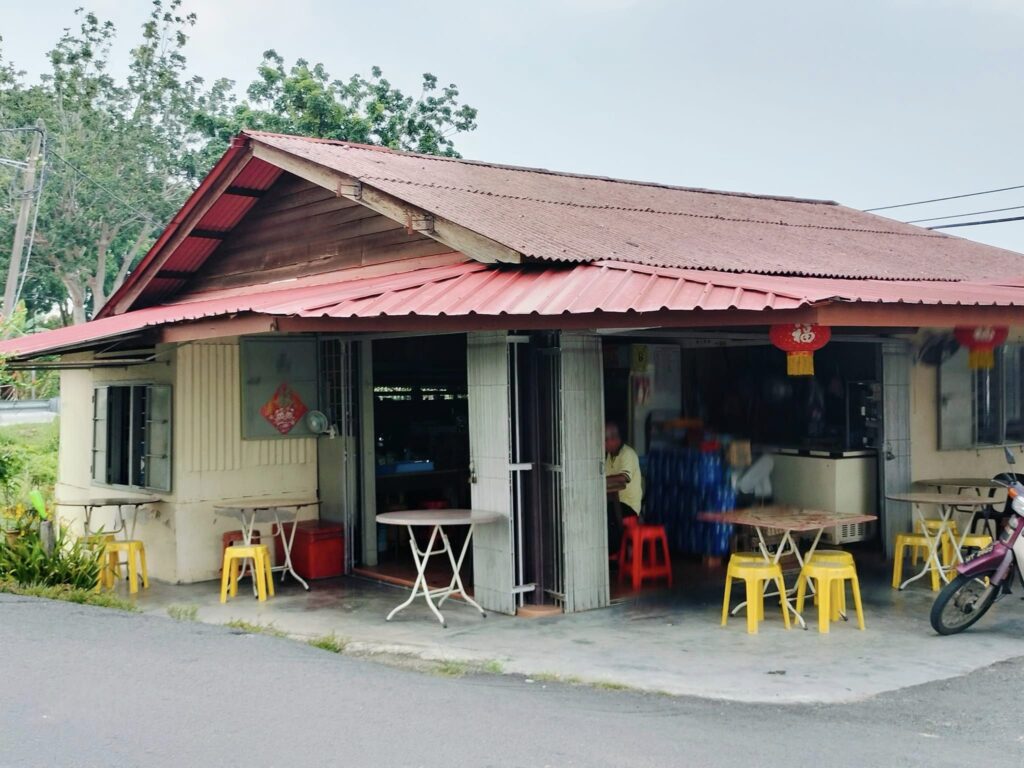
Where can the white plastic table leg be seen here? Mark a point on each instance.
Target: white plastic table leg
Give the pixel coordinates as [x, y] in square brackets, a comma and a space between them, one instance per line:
[456, 582]
[286, 544]
[420, 585]
[933, 546]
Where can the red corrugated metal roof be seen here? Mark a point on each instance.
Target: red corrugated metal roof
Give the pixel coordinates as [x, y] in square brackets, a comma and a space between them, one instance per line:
[471, 288]
[225, 212]
[561, 217]
[566, 217]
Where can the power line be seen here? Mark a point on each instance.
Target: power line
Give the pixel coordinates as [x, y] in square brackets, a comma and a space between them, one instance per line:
[961, 215]
[941, 199]
[94, 182]
[976, 223]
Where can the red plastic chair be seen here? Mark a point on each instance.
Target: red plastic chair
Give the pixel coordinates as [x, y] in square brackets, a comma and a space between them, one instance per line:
[645, 540]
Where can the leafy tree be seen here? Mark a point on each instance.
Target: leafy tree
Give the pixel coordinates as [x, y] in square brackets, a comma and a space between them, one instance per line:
[304, 100]
[123, 155]
[114, 166]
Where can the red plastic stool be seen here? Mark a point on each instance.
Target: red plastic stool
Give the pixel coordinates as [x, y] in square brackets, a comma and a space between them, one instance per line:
[645, 540]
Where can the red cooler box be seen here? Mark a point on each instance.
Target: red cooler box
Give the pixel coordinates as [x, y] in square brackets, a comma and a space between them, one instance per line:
[318, 550]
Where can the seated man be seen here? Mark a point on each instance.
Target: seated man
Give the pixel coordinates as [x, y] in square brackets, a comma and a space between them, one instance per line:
[623, 482]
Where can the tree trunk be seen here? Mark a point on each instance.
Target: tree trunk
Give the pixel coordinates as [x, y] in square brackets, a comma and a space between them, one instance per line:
[129, 258]
[74, 285]
[98, 282]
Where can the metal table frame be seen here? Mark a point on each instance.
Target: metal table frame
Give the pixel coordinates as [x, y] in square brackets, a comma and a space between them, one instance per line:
[247, 511]
[437, 520]
[948, 505]
[816, 522]
[119, 503]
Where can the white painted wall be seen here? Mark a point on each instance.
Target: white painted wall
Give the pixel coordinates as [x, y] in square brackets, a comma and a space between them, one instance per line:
[210, 461]
[156, 526]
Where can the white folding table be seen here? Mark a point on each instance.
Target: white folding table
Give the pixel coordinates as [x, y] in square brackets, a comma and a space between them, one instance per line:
[119, 503]
[277, 511]
[947, 504]
[437, 520]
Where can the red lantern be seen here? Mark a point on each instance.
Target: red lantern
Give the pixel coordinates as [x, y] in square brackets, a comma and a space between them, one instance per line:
[798, 341]
[981, 342]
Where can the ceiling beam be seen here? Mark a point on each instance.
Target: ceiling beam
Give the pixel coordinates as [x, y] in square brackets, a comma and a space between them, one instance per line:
[455, 236]
[244, 192]
[209, 234]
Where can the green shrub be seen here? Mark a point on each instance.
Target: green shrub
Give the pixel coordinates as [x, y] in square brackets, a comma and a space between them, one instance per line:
[24, 558]
[28, 460]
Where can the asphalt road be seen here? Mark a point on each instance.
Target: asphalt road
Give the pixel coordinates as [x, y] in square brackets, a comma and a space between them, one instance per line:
[83, 686]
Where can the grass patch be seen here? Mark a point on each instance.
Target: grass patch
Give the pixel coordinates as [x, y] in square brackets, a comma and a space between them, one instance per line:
[493, 667]
[610, 686]
[452, 668]
[552, 677]
[331, 642]
[70, 594]
[256, 629]
[183, 612]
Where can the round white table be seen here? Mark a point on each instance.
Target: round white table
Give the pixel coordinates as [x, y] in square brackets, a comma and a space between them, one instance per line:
[437, 520]
[119, 503]
[947, 504]
[276, 511]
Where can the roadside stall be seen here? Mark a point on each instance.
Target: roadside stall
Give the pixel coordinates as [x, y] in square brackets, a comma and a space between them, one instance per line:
[732, 420]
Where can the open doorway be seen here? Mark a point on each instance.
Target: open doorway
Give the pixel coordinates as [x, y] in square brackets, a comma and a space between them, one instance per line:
[420, 445]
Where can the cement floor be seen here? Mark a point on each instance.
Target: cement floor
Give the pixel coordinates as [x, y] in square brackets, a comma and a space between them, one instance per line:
[665, 641]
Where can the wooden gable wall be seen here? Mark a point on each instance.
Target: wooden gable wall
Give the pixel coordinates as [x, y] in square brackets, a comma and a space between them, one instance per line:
[298, 228]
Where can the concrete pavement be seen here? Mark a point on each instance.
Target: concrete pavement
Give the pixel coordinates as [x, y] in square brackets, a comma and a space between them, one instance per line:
[84, 686]
[658, 641]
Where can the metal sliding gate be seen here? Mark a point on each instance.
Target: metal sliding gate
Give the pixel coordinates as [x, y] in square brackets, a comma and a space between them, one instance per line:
[338, 451]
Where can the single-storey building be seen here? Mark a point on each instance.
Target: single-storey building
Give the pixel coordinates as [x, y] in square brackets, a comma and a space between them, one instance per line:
[467, 327]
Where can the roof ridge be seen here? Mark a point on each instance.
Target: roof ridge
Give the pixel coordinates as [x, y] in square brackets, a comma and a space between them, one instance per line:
[570, 204]
[548, 171]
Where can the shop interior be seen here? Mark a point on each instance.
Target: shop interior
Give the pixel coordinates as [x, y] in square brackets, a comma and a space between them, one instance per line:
[421, 437]
[718, 424]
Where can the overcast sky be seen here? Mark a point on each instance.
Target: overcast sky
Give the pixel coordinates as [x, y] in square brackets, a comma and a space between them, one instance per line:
[870, 103]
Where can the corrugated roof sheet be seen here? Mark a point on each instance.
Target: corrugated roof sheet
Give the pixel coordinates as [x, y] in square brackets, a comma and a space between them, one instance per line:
[574, 218]
[471, 288]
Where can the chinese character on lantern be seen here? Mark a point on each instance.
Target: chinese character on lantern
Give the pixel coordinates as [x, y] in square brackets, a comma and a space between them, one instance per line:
[799, 341]
[981, 342]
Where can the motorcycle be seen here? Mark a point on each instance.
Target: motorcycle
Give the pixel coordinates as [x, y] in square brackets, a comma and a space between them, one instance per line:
[986, 577]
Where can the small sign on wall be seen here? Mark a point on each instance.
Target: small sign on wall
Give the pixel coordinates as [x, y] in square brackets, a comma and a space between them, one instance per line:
[279, 386]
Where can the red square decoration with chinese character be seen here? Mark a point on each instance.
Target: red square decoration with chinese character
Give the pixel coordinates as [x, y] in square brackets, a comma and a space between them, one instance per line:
[284, 409]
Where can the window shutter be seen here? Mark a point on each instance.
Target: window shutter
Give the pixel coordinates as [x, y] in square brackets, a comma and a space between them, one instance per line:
[956, 403]
[99, 435]
[158, 438]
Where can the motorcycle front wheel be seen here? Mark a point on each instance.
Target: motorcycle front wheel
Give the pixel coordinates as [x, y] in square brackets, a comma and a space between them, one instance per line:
[961, 603]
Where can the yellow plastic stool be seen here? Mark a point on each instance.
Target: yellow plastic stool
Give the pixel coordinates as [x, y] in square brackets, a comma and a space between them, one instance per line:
[827, 575]
[136, 561]
[750, 557]
[838, 601]
[754, 575]
[905, 541]
[261, 572]
[106, 578]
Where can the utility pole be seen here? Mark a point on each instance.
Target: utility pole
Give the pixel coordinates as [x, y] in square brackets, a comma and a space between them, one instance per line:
[28, 181]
